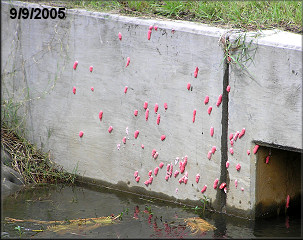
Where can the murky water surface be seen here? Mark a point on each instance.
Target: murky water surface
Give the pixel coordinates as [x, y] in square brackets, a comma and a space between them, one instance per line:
[142, 218]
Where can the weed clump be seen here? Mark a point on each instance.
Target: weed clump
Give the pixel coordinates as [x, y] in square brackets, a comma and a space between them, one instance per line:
[33, 165]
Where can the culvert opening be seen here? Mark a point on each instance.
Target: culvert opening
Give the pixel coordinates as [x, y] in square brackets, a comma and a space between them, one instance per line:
[278, 175]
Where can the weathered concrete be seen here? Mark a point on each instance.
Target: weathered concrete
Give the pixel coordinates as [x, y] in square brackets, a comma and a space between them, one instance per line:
[38, 57]
[266, 100]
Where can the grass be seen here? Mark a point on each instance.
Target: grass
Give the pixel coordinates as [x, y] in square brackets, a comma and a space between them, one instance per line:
[33, 165]
[247, 15]
[10, 116]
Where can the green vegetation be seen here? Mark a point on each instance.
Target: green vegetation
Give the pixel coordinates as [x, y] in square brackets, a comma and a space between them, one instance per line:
[18, 229]
[33, 165]
[120, 216]
[148, 210]
[247, 15]
[238, 51]
[204, 202]
[30, 162]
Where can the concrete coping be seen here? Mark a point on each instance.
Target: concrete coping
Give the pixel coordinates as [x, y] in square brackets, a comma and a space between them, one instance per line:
[274, 38]
[281, 39]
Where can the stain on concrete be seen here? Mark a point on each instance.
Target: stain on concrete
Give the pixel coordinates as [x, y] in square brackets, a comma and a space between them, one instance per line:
[142, 192]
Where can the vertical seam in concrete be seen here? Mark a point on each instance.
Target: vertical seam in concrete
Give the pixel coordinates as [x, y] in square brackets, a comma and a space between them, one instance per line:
[221, 196]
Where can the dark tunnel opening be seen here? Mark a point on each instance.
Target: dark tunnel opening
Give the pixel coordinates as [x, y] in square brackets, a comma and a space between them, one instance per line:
[278, 175]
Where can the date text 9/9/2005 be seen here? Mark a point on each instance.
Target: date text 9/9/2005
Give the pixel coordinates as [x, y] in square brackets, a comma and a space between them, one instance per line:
[37, 13]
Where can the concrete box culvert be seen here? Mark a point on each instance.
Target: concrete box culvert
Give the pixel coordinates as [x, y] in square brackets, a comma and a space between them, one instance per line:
[41, 55]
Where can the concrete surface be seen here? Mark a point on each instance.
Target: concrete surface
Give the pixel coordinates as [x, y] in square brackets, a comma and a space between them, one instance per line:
[38, 58]
[266, 100]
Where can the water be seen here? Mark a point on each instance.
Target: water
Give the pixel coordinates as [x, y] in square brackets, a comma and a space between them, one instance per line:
[142, 218]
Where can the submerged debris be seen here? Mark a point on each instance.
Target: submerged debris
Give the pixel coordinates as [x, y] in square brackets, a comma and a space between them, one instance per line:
[76, 225]
[198, 225]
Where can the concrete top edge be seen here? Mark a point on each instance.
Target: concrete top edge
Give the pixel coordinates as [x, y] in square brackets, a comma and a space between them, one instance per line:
[274, 38]
[177, 25]
[280, 39]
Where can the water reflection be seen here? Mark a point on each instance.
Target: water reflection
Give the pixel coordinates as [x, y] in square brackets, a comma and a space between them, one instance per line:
[220, 224]
[284, 227]
[140, 218]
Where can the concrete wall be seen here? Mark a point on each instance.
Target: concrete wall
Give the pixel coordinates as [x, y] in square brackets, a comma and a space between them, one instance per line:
[37, 66]
[266, 100]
